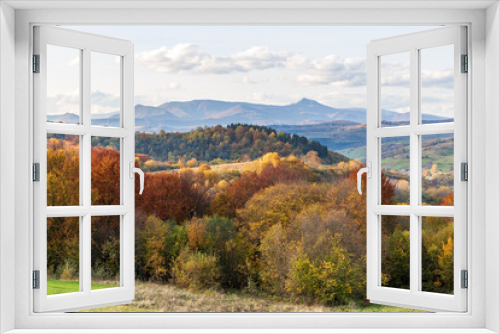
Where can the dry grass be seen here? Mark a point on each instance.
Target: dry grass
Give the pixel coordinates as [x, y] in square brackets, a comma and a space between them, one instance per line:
[151, 297]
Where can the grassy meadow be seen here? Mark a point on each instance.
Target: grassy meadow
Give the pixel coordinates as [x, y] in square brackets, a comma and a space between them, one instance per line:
[153, 297]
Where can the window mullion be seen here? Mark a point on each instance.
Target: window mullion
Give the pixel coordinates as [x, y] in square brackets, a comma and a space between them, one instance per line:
[86, 178]
[414, 171]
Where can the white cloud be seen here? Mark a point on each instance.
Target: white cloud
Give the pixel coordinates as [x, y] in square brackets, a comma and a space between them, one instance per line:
[70, 103]
[438, 78]
[250, 80]
[174, 86]
[246, 79]
[63, 103]
[398, 74]
[188, 58]
[331, 70]
[101, 102]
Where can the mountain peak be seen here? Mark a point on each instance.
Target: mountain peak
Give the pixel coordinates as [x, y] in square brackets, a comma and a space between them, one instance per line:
[307, 102]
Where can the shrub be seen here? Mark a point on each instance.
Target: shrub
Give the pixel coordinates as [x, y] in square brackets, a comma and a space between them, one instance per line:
[437, 254]
[278, 205]
[69, 271]
[107, 265]
[396, 259]
[196, 231]
[151, 250]
[275, 254]
[332, 280]
[219, 231]
[196, 271]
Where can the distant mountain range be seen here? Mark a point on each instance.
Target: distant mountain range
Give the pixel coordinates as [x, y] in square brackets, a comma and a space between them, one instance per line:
[185, 116]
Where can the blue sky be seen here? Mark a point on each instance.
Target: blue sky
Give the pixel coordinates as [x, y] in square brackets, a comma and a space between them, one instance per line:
[272, 65]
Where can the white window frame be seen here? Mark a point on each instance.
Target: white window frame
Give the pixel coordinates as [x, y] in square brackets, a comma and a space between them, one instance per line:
[483, 100]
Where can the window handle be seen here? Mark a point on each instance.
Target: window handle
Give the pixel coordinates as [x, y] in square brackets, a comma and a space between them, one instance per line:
[139, 171]
[368, 171]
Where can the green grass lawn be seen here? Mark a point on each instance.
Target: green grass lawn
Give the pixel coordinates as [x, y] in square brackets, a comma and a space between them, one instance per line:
[55, 287]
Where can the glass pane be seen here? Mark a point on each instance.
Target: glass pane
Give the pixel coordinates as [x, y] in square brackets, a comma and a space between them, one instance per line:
[63, 255]
[105, 252]
[105, 89]
[63, 85]
[395, 166]
[396, 252]
[395, 89]
[437, 95]
[437, 170]
[105, 171]
[63, 170]
[437, 254]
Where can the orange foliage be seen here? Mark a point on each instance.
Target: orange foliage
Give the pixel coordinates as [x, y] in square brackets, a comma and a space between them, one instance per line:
[196, 231]
[105, 176]
[163, 197]
[448, 200]
[242, 189]
[63, 173]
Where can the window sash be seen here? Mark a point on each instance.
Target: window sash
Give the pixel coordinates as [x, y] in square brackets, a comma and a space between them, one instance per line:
[86, 297]
[414, 297]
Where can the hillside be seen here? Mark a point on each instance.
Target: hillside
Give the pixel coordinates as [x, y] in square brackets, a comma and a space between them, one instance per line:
[187, 115]
[236, 142]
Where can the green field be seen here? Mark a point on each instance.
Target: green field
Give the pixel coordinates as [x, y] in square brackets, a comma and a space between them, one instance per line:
[55, 287]
[358, 153]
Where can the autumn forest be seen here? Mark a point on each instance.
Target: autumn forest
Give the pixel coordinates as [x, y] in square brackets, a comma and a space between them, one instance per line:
[249, 211]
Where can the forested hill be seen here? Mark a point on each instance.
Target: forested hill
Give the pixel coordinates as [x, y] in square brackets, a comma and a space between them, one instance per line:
[235, 142]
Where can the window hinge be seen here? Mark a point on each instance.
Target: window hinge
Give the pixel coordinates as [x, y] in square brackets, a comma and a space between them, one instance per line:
[36, 279]
[464, 173]
[465, 279]
[36, 172]
[465, 64]
[36, 63]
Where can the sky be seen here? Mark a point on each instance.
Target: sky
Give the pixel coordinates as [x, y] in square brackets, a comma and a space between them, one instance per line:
[260, 64]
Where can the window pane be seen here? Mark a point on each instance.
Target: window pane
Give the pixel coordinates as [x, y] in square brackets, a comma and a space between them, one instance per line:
[63, 170]
[105, 252]
[395, 166]
[437, 254]
[63, 85]
[437, 170]
[105, 171]
[437, 95]
[105, 89]
[396, 252]
[63, 255]
[395, 89]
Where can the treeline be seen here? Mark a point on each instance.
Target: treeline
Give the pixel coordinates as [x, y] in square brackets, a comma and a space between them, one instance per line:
[282, 229]
[235, 142]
